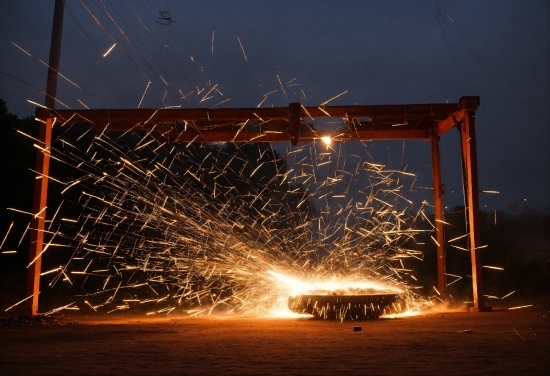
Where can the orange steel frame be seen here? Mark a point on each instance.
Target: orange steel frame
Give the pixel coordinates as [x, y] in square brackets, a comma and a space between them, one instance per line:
[285, 124]
[42, 167]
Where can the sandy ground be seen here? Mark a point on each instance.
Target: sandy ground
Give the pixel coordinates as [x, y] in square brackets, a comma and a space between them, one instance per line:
[512, 342]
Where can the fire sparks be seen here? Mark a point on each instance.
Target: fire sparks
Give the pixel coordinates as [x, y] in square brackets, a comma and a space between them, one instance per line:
[16, 304]
[172, 228]
[109, 50]
[520, 307]
[21, 48]
[334, 285]
[240, 43]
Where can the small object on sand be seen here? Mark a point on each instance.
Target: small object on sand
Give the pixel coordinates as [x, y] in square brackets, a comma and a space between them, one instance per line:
[468, 331]
[357, 329]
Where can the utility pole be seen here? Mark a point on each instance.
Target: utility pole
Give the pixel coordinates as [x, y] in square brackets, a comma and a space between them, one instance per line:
[42, 167]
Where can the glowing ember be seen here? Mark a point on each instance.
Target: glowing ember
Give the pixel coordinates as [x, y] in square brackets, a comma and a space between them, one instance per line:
[326, 139]
[332, 286]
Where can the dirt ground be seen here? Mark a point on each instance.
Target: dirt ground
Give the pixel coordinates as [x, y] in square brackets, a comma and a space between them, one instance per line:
[515, 342]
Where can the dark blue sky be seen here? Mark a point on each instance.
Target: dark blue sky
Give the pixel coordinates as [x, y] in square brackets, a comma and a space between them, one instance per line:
[380, 52]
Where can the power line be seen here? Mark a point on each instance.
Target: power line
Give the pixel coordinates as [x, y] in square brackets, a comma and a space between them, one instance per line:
[176, 61]
[488, 74]
[34, 87]
[145, 48]
[456, 61]
[477, 60]
[75, 19]
[113, 39]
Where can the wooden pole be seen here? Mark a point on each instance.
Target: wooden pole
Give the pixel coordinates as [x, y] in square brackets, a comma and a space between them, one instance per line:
[42, 167]
[55, 53]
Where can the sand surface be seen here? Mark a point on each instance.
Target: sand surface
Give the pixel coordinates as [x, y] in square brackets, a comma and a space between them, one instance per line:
[501, 342]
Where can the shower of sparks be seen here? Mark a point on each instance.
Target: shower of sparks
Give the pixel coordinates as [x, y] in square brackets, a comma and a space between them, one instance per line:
[109, 50]
[242, 48]
[225, 228]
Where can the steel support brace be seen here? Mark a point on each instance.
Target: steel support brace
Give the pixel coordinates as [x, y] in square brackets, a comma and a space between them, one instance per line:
[469, 155]
[438, 216]
[37, 221]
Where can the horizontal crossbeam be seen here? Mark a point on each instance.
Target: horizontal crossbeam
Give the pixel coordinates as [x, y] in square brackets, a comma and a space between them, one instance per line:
[382, 122]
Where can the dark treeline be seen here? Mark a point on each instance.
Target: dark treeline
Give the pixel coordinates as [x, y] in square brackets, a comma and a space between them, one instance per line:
[516, 240]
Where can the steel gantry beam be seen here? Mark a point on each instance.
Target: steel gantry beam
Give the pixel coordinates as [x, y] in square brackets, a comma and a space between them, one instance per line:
[290, 124]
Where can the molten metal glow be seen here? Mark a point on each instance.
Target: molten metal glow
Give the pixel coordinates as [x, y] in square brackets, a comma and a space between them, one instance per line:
[407, 313]
[330, 286]
[326, 139]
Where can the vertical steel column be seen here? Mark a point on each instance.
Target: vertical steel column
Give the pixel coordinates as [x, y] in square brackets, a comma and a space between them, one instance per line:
[469, 155]
[438, 216]
[294, 112]
[37, 222]
[43, 166]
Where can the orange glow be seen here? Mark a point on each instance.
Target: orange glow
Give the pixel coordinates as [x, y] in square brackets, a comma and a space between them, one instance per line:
[326, 139]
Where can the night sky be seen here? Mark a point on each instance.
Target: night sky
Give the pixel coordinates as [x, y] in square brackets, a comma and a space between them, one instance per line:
[378, 52]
